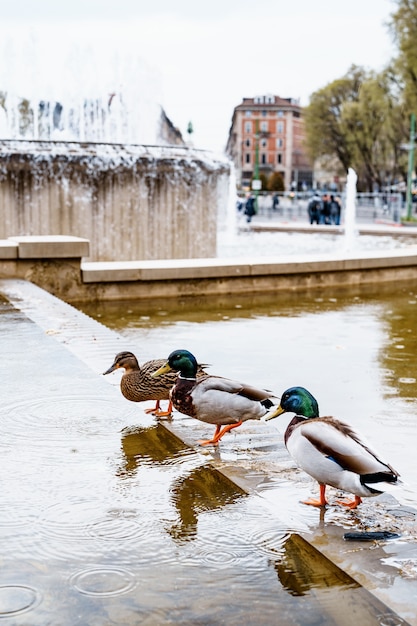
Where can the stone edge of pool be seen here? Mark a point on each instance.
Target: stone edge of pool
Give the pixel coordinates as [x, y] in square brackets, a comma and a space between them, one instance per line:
[92, 343]
[56, 264]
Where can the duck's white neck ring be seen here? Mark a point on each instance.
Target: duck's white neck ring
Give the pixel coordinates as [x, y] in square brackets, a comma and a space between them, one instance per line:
[186, 377]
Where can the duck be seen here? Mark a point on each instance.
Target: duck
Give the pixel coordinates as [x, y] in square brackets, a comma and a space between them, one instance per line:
[137, 384]
[214, 400]
[331, 451]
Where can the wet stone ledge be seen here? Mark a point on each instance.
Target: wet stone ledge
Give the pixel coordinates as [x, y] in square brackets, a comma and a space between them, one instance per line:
[56, 263]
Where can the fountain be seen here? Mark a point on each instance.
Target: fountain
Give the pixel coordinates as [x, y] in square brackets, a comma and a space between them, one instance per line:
[131, 201]
[105, 164]
[350, 209]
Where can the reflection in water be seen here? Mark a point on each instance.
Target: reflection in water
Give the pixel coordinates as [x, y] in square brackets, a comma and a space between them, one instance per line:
[143, 314]
[302, 568]
[204, 489]
[399, 356]
[157, 313]
[144, 446]
[304, 571]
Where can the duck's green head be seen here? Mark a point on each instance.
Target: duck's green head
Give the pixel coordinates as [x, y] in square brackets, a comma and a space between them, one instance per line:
[296, 400]
[181, 361]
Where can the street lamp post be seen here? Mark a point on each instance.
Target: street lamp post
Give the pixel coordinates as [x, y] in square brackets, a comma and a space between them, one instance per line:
[256, 180]
[409, 202]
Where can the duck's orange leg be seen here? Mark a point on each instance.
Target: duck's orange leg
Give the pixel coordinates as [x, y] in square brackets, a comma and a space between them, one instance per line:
[321, 501]
[218, 434]
[351, 504]
[158, 412]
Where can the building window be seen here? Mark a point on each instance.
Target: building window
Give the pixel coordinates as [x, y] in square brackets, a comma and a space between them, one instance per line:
[263, 159]
[248, 127]
[280, 143]
[264, 127]
[270, 99]
[280, 127]
[248, 113]
[264, 113]
[247, 143]
[264, 143]
[247, 158]
[280, 113]
[279, 157]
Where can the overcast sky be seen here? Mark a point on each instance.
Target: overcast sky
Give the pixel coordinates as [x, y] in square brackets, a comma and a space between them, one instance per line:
[199, 60]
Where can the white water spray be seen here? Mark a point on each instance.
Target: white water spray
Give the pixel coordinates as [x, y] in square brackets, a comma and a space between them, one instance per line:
[69, 90]
[350, 209]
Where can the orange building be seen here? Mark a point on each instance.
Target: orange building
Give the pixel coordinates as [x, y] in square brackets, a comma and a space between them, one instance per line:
[267, 136]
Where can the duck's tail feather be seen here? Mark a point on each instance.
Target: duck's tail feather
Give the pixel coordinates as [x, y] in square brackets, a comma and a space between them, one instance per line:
[378, 477]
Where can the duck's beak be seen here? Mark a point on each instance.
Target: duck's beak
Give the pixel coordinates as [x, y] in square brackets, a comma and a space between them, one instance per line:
[162, 370]
[111, 369]
[274, 413]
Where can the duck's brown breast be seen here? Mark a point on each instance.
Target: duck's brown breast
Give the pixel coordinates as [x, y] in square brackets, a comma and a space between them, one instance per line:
[181, 396]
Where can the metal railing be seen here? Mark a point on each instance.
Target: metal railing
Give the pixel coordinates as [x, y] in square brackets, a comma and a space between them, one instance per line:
[370, 207]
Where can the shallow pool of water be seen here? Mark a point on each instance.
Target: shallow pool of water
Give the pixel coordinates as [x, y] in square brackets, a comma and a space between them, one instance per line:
[356, 350]
[107, 518]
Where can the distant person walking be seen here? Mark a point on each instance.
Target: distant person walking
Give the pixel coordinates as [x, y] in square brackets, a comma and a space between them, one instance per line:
[335, 210]
[250, 209]
[314, 209]
[275, 202]
[325, 209]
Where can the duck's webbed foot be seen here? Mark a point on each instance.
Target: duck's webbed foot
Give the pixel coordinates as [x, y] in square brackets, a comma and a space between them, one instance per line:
[351, 504]
[158, 412]
[218, 434]
[322, 499]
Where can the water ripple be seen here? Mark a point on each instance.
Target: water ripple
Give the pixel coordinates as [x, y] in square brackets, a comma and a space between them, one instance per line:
[54, 419]
[17, 599]
[67, 529]
[270, 541]
[103, 582]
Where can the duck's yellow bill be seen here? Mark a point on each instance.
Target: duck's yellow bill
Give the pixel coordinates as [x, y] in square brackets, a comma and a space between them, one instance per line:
[274, 413]
[162, 370]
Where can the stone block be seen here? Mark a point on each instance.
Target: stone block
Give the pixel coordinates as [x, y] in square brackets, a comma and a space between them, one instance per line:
[8, 249]
[51, 247]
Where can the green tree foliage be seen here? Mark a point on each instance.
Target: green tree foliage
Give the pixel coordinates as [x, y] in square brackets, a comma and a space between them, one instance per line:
[403, 26]
[362, 119]
[325, 129]
[374, 133]
[264, 179]
[275, 182]
[359, 120]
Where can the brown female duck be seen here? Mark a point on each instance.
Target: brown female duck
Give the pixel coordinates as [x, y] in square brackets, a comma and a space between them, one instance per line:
[138, 385]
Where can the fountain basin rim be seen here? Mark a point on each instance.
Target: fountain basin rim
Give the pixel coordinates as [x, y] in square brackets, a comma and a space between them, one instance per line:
[114, 271]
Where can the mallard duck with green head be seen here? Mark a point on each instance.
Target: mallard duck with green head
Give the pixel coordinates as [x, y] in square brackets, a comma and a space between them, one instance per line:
[138, 385]
[331, 451]
[213, 399]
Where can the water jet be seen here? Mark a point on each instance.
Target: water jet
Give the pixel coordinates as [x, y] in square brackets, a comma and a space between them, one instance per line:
[350, 209]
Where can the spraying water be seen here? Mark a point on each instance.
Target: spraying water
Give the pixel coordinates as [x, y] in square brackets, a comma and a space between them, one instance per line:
[72, 91]
[350, 209]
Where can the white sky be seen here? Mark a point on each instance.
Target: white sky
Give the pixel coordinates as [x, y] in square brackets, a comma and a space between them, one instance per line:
[199, 59]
